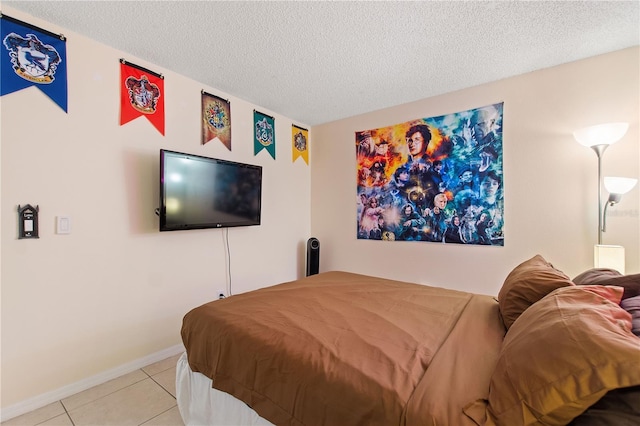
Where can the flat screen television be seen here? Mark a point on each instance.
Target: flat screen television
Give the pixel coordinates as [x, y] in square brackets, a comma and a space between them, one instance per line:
[199, 192]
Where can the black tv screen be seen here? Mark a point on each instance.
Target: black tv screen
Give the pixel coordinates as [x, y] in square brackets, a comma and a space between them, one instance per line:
[200, 192]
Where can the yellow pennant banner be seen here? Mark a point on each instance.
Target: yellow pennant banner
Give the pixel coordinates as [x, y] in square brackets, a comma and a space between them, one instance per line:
[299, 143]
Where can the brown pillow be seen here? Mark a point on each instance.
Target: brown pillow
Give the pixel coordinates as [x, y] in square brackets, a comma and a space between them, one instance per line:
[562, 355]
[526, 284]
[605, 276]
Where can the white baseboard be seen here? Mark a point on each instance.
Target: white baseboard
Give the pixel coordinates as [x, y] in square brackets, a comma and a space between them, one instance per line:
[84, 384]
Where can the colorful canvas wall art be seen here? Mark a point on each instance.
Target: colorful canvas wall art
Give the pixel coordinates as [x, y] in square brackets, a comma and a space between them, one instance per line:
[437, 179]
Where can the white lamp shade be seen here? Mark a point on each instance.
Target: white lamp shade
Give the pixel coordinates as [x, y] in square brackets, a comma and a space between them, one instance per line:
[601, 134]
[611, 257]
[619, 185]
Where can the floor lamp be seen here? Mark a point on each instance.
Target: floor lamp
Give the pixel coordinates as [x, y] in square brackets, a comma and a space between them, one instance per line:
[599, 138]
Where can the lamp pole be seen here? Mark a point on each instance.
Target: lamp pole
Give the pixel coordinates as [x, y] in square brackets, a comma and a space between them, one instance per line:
[599, 150]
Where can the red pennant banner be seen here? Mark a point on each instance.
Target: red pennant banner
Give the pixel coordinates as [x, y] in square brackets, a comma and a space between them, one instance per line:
[141, 93]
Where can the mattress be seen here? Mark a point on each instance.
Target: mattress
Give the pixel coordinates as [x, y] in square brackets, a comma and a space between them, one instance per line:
[200, 404]
[341, 348]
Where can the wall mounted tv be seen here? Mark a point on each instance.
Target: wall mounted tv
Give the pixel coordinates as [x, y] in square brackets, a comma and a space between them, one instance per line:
[200, 192]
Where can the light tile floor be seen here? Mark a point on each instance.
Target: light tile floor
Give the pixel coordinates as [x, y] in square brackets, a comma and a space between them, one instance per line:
[145, 397]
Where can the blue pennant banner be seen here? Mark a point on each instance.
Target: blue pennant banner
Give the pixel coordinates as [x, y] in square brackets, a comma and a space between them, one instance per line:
[31, 56]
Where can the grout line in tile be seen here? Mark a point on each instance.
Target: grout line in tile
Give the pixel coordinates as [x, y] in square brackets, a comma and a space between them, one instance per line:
[104, 396]
[67, 413]
[121, 389]
[158, 415]
[163, 388]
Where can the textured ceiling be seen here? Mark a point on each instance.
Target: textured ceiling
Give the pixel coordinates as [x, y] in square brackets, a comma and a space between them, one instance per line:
[317, 62]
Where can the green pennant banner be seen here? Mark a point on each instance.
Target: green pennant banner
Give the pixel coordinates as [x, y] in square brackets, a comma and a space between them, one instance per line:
[264, 134]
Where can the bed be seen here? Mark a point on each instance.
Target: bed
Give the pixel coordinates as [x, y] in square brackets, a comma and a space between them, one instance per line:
[339, 348]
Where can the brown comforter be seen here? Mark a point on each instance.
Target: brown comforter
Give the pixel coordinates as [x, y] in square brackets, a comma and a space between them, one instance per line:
[346, 349]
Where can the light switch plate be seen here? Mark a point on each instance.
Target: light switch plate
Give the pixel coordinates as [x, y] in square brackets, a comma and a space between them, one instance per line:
[63, 225]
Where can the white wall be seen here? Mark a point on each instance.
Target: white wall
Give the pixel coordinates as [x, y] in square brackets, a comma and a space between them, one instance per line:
[115, 290]
[550, 181]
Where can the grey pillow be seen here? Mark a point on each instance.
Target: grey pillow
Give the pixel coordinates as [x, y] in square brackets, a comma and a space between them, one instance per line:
[604, 276]
[620, 407]
[632, 305]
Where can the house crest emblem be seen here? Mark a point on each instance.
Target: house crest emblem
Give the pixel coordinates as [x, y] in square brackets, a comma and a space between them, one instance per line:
[300, 142]
[32, 59]
[264, 132]
[143, 95]
[216, 116]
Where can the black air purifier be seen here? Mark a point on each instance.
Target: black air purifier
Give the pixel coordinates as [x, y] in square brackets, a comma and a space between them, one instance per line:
[313, 256]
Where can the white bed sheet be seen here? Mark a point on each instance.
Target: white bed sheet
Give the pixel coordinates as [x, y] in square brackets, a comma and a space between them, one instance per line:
[202, 405]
